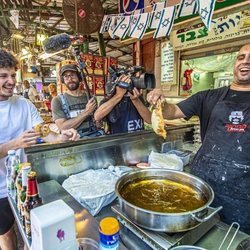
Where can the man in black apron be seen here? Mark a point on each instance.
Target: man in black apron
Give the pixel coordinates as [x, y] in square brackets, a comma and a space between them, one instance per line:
[224, 157]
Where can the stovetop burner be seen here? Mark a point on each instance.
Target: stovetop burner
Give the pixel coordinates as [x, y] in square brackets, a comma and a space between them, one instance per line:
[162, 240]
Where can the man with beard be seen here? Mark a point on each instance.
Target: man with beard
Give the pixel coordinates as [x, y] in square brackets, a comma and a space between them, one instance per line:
[224, 157]
[72, 109]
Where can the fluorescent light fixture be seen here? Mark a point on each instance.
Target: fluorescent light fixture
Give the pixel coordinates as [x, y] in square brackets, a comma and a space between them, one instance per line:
[17, 36]
[45, 55]
[40, 38]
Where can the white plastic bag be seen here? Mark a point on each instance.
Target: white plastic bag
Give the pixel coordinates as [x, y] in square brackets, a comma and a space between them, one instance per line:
[94, 189]
[169, 161]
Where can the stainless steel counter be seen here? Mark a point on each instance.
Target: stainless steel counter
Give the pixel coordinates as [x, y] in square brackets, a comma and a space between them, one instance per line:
[59, 161]
[86, 224]
[211, 240]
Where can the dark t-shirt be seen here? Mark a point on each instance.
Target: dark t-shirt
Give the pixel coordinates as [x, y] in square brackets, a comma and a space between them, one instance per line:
[202, 104]
[76, 105]
[124, 117]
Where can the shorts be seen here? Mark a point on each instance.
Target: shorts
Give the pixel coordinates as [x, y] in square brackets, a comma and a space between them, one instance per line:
[7, 218]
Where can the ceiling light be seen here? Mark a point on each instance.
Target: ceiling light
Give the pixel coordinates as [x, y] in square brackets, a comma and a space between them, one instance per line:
[40, 38]
[17, 36]
[45, 55]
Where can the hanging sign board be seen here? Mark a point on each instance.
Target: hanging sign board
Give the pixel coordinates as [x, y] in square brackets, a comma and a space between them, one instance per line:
[223, 28]
[128, 6]
[167, 63]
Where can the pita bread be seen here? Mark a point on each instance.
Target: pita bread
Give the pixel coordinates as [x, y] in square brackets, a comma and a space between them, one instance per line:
[44, 129]
[157, 120]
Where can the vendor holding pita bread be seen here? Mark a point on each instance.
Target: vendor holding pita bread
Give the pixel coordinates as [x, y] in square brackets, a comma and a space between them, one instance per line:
[223, 160]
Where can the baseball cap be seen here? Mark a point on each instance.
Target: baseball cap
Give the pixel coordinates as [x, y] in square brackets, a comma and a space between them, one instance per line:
[69, 67]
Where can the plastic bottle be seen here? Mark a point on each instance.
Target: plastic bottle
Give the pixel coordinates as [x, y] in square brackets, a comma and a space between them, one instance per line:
[109, 233]
[11, 163]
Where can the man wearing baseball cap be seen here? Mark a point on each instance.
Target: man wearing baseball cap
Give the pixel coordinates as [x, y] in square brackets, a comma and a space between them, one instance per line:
[73, 109]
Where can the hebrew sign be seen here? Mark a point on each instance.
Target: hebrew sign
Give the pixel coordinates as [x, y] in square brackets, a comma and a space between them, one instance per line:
[222, 28]
[167, 62]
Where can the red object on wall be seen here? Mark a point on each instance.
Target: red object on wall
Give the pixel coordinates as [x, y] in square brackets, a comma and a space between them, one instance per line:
[98, 65]
[89, 61]
[110, 62]
[188, 79]
[98, 85]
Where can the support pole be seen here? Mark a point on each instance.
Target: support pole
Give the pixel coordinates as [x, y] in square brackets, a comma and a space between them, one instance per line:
[101, 43]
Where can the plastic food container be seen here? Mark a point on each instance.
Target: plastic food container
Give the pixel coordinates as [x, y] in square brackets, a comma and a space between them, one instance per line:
[109, 233]
[184, 156]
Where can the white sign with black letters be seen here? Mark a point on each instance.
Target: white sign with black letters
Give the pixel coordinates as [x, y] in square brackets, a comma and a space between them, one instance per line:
[167, 62]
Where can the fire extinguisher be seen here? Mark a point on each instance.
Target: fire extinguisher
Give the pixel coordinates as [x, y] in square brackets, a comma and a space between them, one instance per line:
[188, 79]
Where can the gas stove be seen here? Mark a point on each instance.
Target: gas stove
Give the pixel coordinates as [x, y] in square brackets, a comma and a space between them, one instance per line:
[162, 240]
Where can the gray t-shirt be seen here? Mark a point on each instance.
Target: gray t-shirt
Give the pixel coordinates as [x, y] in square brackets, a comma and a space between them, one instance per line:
[76, 105]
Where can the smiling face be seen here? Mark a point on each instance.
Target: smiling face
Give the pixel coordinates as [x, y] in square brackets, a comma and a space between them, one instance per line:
[7, 83]
[242, 66]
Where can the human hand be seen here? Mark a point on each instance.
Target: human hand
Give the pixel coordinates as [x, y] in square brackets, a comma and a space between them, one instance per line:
[122, 91]
[135, 94]
[27, 139]
[69, 135]
[154, 95]
[91, 106]
[99, 124]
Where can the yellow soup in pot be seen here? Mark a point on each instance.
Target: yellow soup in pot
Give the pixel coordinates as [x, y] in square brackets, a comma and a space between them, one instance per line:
[161, 195]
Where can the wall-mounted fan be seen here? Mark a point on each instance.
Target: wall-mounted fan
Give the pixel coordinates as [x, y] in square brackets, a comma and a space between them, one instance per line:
[83, 16]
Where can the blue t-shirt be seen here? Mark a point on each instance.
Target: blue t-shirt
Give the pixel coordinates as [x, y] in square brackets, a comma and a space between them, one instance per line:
[124, 117]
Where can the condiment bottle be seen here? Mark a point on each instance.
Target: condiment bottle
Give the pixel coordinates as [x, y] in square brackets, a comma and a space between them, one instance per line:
[32, 200]
[109, 233]
[26, 168]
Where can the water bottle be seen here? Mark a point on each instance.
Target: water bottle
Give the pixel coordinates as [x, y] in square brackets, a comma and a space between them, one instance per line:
[11, 163]
[109, 233]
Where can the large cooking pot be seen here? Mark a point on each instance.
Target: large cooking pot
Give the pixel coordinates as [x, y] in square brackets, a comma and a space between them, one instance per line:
[162, 221]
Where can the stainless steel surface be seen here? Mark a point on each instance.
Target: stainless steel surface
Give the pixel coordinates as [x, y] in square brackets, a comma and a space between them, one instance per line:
[166, 222]
[210, 234]
[13, 206]
[86, 225]
[237, 226]
[214, 237]
[95, 153]
[187, 247]
[207, 217]
[244, 244]
[161, 240]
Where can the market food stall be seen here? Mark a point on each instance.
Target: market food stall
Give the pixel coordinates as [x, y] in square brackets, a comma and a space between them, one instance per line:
[55, 162]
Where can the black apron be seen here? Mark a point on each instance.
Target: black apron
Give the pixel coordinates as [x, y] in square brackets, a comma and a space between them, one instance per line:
[223, 160]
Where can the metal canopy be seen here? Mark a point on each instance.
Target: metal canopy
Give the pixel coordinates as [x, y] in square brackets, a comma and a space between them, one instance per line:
[45, 17]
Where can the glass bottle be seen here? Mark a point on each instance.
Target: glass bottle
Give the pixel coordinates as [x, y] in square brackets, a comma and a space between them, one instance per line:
[32, 200]
[14, 169]
[19, 188]
[26, 168]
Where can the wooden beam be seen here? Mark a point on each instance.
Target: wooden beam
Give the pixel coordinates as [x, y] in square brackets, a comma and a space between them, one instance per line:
[34, 8]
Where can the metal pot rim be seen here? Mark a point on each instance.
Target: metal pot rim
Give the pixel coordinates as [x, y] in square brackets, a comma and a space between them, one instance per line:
[162, 213]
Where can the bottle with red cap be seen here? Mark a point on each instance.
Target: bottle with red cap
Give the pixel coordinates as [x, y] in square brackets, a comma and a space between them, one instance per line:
[109, 233]
[32, 200]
